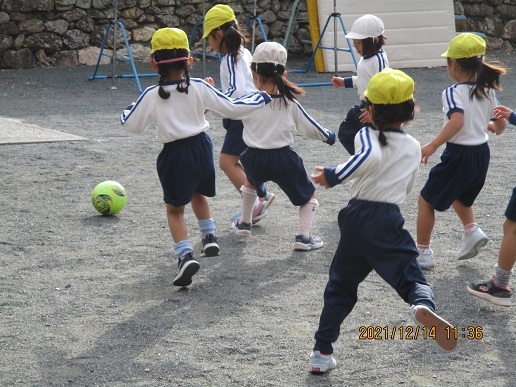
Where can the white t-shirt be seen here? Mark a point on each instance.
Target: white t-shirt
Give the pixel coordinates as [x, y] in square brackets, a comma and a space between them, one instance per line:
[237, 81]
[366, 68]
[271, 128]
[477, 113]
[379, 173]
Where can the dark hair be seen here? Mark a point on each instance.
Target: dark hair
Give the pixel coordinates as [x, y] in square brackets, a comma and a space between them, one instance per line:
[370, 47]
[386, 116]
[287, 89]
[164, 68]
[488, 75]
[231, 41]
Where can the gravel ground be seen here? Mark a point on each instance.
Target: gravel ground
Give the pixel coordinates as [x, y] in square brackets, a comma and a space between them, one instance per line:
[88, 300]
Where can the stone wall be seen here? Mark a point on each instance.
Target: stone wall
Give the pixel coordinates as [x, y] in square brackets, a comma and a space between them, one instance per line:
[70, 32]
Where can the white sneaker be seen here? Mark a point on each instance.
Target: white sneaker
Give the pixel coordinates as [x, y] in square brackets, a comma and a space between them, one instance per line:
[321, 363]
[426, 259]
[440, 330]
[472, 241]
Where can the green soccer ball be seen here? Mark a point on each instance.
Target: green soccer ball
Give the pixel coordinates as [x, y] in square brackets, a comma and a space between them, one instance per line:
[108, 197]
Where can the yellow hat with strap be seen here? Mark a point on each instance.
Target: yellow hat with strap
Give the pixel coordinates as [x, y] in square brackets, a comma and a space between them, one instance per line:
[466, 45]
[169, 39]
[390, 87]
[218, 15]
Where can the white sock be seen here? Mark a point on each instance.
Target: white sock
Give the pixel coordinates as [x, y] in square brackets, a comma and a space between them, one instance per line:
[248, 201]
[306, 217]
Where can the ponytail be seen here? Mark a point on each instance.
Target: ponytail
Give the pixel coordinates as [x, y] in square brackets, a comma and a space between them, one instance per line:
[488, 75]
[286, 89]
[231, 41]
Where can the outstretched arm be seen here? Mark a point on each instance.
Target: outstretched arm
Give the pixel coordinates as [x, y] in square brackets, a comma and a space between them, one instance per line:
[450, 129]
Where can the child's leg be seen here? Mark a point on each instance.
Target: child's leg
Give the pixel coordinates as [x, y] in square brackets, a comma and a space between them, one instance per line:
[248, 200]
[306, 216]
[507, 254]
[465, 213]
[201, 209]
[232, 168]
[176, 222]
[425, 222]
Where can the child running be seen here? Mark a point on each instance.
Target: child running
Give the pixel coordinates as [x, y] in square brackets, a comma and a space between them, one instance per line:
[497, 290]
[367, 34]
[221, 29]
[458, 179]
[372, 237]
[269, 156]
[185, 165]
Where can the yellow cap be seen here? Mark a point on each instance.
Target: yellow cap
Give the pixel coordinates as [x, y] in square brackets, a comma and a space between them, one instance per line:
[390, 87]
[169, 39]
[465, 45]
[215, 17]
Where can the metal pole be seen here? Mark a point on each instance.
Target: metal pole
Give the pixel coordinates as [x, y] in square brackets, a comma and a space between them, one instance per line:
[203, 41]
[254, 26]
[335, 36]
[113, 58]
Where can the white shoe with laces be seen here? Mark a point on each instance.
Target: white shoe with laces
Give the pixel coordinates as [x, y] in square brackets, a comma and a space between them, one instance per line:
[426, 259]
[472, 241]
[321, 363]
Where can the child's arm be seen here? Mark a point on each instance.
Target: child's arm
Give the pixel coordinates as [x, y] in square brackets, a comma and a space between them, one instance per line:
[235, 109]
[347, 82]
[366, 160]
[450, 129]
[308, 127]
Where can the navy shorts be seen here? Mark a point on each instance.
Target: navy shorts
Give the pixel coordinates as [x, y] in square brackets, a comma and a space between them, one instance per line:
[186, 167]
[510, 212]
[460, 175]
[233, 142]
[284, 167]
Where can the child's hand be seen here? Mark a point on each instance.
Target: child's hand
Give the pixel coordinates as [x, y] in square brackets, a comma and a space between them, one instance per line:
[427, 151]
[210, 80]
[491, 127]
[319, 177]
[364, 116]
[501, 112]
[337, 81]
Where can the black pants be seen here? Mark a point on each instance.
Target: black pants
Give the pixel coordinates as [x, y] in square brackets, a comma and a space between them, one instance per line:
[349, 128]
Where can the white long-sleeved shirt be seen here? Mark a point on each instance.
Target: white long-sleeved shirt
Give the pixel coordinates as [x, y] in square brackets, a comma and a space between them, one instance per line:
[182, 115]
[271, 128]
[366, 68]
[477, 113]
[379, 173]
[237, 81]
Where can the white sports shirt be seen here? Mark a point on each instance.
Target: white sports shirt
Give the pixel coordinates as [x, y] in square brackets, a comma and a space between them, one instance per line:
[271, 128]
[366, 68]
[238, 81]
[477, 113]
[182, 115]
[379, 173]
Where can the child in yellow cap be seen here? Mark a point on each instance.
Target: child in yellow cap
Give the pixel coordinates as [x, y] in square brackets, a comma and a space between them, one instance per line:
[175, 106]
[224, 36]
[372, 237]
[458, 179]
